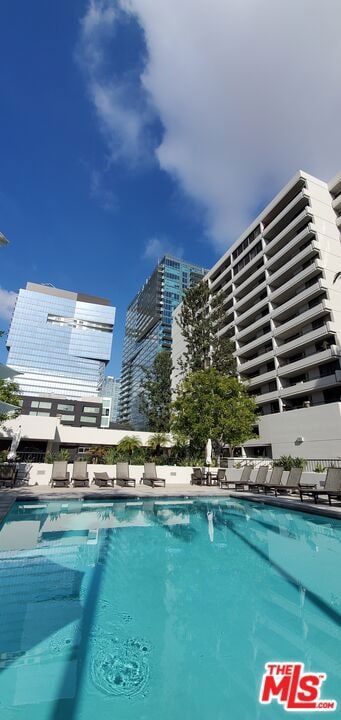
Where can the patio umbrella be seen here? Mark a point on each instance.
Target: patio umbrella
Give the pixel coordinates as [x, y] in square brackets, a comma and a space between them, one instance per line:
[209, 452]
[11, 455]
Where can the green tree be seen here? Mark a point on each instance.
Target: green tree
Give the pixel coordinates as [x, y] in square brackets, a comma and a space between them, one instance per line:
[156, 396]
[157, 442]
[201, 319]
[129, 444]
[211, 405]
[8, 394]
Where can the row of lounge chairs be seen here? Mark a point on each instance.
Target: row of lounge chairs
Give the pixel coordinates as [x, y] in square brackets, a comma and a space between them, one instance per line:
[80, 477]
[275, 482]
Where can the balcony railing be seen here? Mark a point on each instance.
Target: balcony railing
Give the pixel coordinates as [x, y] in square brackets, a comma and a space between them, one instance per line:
[290, 231]
[289, 213]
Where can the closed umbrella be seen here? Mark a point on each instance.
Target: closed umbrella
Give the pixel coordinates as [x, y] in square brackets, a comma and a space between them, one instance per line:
[209, 452]
[210, 525]
[11, 455]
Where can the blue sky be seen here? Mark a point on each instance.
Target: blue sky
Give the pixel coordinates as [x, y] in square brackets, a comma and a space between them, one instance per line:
[134, 127]
[73, 218]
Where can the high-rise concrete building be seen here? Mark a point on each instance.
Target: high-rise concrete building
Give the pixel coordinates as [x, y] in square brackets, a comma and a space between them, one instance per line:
[148, 328]
[60, 342]
[281, 287]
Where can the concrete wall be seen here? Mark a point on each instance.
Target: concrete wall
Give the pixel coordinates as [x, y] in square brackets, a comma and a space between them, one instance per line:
[46, 428]
[40, 473]
[320, 428]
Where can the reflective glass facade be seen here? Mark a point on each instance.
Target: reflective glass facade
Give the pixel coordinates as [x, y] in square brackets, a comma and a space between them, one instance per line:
[148, 328]
[60, 342]
[111, 390]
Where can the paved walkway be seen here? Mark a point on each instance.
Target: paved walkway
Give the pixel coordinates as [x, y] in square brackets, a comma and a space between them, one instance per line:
[44, 492]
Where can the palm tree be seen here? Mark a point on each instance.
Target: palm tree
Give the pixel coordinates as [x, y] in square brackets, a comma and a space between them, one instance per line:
[157, 441]
[128, 444]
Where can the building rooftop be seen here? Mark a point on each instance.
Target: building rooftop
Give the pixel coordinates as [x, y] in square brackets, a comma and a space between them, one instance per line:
[68, 294]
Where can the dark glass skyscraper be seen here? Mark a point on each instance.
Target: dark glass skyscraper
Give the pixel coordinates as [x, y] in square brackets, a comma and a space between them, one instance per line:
[148, 328]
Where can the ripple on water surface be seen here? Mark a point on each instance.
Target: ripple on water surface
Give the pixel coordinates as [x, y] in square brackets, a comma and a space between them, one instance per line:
[120, 667]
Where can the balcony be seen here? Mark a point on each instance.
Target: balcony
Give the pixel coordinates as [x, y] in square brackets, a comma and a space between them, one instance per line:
[290, 247]
[254, 362]
[261, 379]
[301, 277]
[280, 312]
[250, 329]
[300, 201]
[224, 278]
[317, 384]
[225, 300]
[261, 340]
[229, 326]
[267, 397]
[247, 249]
[249, 284]
[253, 310]
[288, 269]
[249, 269]
[289, 232]
[301, 319]
[337, 203]
[309, 361]
[305, 339]
[249, 298]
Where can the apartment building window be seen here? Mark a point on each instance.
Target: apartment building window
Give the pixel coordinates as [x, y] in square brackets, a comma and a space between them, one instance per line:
[295, 358]
[318, 323]
[250, 238]
[41, 405]
[247, 259]
[329, 368]
[88, 419]
[89, 409]
[65, 408]
[39, 412]
[67, 418]
[298, 379]
[314, 302]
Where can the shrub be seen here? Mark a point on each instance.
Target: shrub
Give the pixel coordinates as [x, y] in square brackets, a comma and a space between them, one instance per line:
[319, 468]
[287, 462]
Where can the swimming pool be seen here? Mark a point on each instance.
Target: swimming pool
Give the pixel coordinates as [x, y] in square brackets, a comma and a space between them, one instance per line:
[162, 609]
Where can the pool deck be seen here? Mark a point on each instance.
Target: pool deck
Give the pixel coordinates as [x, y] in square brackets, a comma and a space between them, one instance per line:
[8, 496]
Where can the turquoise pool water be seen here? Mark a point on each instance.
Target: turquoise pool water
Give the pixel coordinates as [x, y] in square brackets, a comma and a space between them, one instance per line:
[159, 610]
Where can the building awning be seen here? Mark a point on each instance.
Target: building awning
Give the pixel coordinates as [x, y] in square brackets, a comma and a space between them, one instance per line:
[7, 372]
[6, 408]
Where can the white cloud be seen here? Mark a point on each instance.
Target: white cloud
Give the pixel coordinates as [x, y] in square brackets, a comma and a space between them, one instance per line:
[7, 302]
[246, 91]
[119, 101]
[156, 248]
[98, 190]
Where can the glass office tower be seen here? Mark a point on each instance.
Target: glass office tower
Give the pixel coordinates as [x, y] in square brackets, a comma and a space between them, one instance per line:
[60, 341]
[148, 329]
[111, 389]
